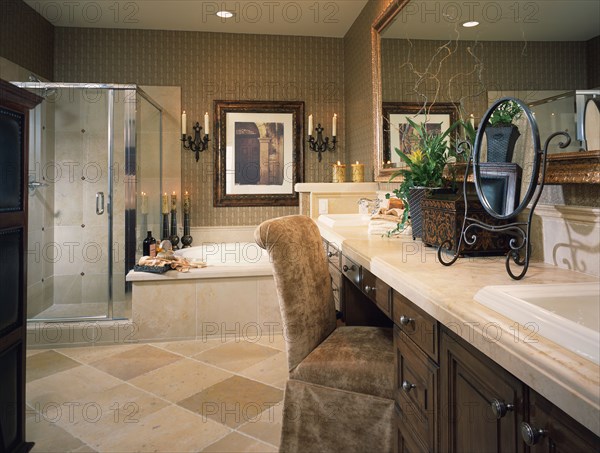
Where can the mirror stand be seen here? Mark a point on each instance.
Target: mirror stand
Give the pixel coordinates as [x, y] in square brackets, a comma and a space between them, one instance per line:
[519, 232]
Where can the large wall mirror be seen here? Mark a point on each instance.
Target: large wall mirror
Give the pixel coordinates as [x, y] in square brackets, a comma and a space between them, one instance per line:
[541, 52]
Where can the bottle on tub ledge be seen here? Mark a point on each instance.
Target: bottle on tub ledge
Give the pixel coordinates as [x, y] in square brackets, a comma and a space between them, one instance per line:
[149, 246]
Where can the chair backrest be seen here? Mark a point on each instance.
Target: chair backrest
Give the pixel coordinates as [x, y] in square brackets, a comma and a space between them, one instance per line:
[303, 283]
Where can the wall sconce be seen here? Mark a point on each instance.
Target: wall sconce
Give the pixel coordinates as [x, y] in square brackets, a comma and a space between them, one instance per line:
[197, 145]
[321, 144]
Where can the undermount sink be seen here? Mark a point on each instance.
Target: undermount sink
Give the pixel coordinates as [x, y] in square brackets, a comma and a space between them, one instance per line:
[344, 220]
[567, 314]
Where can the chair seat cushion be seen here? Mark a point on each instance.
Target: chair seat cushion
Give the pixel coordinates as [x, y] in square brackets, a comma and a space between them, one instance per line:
[357, 359]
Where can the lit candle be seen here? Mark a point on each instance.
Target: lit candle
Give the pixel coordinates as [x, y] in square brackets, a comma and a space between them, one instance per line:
[310, 124]
[174, 202]
[144, 207]
[358, 172]
[206, 123]
[339, 172]
[186, 203]
[334, 129]
[183, 123]
[472, 120]
[165, 204]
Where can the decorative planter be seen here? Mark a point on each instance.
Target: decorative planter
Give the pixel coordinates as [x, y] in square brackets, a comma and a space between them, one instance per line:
[501, 142]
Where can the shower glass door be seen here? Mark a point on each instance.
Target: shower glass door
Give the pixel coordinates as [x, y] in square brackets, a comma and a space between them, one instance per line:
[70, 203]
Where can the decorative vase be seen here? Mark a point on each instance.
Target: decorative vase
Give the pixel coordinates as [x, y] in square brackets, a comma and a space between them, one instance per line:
[501, 142]
[415, 196]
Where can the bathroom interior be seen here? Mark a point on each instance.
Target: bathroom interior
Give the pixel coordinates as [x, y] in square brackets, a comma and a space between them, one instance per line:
[104, 149]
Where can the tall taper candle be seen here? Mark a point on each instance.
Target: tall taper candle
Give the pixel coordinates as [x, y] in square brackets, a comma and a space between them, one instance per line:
[186, 203]
[206, 121]
[310, 124]
[183, 123]
[144, 204]
[334, 128]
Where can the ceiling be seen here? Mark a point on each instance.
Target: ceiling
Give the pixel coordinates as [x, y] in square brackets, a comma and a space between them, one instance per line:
[500, 20]
[299, 17]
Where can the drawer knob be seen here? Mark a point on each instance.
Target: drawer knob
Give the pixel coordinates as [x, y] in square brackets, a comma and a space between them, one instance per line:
[500, 409]
[331, 254]
[530, 435]
[407, 386]
[346, 268]
[369, 289]
[405, 320]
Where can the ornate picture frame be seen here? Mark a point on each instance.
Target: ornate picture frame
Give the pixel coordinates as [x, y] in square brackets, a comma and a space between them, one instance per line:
[259, 155]
[440, 115]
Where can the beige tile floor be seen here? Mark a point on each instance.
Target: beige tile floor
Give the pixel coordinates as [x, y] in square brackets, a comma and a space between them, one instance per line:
[218, 395]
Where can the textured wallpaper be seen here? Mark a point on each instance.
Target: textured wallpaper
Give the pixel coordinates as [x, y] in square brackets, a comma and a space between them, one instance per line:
[26, 38]
[214, 66]
[506, 65]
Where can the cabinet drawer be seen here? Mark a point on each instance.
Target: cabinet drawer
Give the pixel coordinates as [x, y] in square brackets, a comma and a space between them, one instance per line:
[404, 440]
[418, 325]
[378, 291]
[336, 285]
[416, 388]
[333, 254]
[351, 270]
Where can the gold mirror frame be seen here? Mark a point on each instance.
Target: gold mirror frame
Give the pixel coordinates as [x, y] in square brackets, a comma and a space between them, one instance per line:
[563, 168]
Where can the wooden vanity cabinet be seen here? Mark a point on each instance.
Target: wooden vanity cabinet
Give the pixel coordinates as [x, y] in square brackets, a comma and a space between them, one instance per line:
[470, 383]
[549, 429]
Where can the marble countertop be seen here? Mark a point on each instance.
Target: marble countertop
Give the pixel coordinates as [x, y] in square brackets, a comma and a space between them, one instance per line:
[447, 293]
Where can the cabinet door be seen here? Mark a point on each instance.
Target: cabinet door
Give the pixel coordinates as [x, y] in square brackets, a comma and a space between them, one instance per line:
[551, 430]
[470, 384]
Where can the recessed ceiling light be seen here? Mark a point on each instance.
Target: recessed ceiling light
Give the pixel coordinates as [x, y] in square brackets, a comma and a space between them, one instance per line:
[469, 24]
[225, 14]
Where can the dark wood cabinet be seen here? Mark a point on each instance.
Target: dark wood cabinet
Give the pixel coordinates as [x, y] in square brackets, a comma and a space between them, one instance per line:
[15, 104]
[550, 430]
[471, 383]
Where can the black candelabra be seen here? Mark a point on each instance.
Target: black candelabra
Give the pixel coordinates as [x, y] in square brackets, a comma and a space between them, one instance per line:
[197, 145]
[320, 144]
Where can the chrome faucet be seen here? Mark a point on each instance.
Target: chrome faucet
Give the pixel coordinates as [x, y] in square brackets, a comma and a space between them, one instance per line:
[371, 206]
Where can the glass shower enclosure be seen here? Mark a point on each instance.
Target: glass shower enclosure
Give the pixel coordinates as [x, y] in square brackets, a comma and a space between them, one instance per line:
[94, 190]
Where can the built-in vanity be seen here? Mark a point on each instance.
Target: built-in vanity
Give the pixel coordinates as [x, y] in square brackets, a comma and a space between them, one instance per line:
[467, 379]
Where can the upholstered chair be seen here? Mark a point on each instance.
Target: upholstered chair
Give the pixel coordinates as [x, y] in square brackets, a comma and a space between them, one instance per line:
[339, 396]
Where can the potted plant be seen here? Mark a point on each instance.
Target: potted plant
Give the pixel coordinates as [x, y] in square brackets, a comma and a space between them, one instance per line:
[425, 164]
[502, 134]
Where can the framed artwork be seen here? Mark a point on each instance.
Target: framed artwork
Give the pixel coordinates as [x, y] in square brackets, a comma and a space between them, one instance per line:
[398, 133]
[259, 153]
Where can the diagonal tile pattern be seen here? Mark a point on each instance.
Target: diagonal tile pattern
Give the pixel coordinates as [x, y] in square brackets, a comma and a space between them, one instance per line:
[197, 395]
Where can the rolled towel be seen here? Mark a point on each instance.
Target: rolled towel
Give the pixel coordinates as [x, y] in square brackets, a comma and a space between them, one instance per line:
[392, 215]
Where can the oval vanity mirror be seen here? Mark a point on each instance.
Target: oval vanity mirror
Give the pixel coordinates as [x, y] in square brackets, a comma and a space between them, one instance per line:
[506, 158]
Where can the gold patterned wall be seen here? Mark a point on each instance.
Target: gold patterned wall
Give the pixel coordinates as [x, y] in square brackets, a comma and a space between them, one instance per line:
[215, 66]
[26, 38]
[506, 65]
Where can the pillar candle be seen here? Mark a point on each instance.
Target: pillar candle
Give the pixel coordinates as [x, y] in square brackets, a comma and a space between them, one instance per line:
[183, 123]
[174, 202]
[472, 120]
[144, 207]
[186, 203]
[358, 172]
[334, 129]
[165, 204]
[339, 172]
[206, 121]
[310, 124]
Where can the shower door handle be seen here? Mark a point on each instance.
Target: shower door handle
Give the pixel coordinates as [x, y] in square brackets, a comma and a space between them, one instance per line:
[99, 203]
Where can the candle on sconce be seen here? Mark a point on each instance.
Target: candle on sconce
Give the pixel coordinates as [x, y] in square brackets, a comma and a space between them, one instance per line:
[183, 123]
[472, 120]
[206, 121]
[165, 203]
[173, 202]
[310, 124]
[144, 203]
[339, 172]
[186, 203]
[358, 172]
[334, 128]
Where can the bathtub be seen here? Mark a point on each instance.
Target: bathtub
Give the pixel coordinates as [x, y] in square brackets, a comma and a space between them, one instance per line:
[233, 296]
